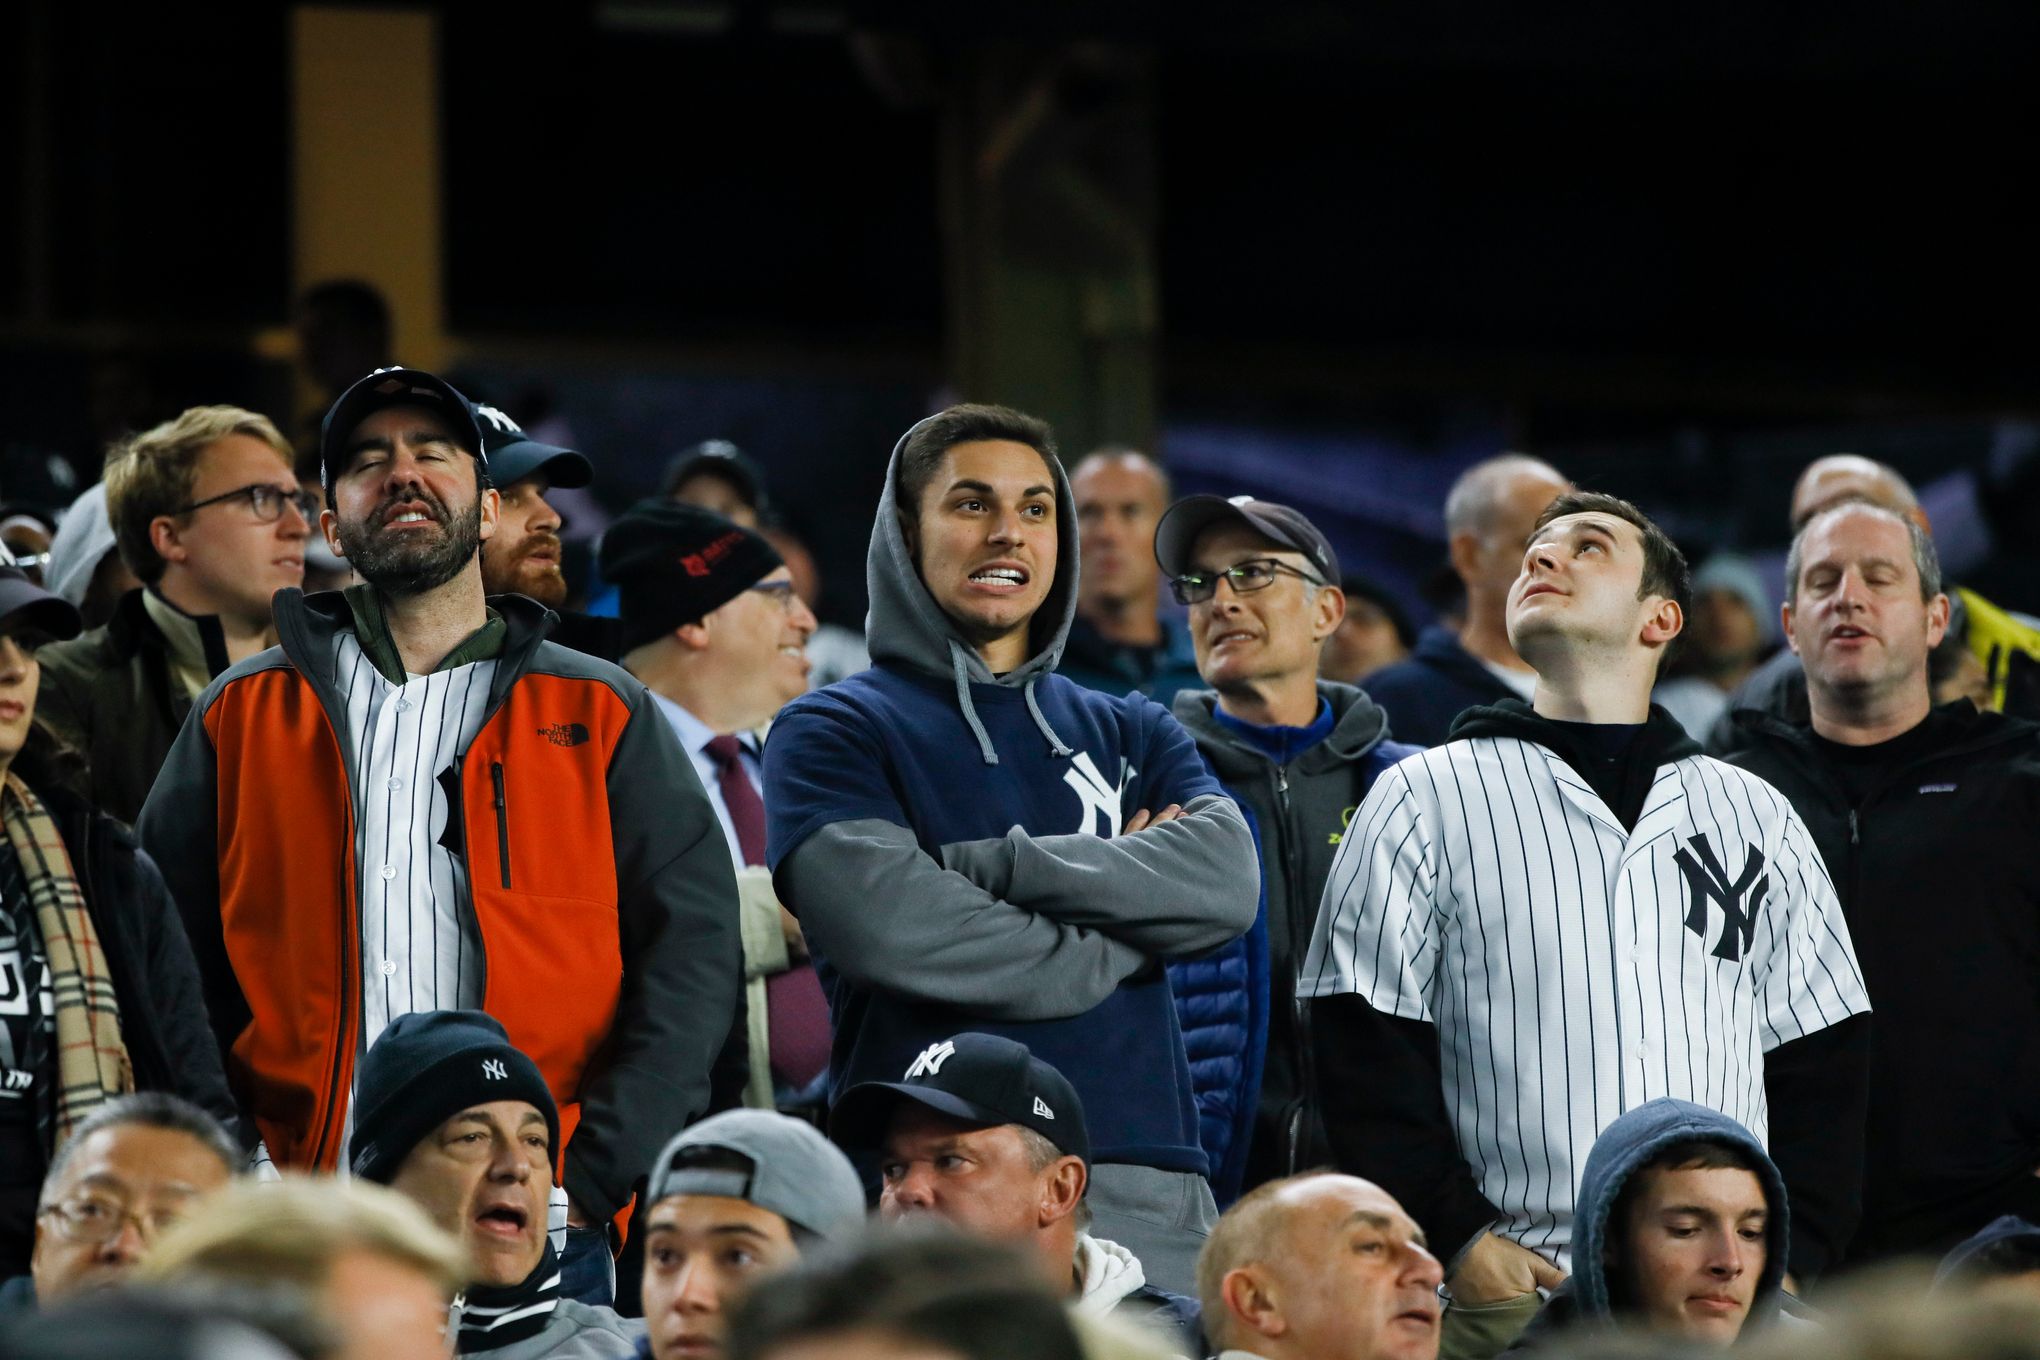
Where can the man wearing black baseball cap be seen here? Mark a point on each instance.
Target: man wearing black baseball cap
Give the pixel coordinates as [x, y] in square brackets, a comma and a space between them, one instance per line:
[419, 802]
[983, 1134]
[1262, 588]
[717, 475]
[450, 1114]
[523, 556]
[711, 623]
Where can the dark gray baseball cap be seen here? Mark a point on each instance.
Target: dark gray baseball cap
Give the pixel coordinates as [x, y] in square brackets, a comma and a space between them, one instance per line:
[514, 455]
[1176, 535]
[795, 1172]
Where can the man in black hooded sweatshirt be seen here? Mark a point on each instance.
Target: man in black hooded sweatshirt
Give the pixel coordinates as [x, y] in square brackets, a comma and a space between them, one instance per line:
[1925, 816]
[1567, 911]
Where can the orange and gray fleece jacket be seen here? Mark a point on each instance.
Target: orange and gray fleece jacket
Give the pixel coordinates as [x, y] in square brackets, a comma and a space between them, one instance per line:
[598, 877]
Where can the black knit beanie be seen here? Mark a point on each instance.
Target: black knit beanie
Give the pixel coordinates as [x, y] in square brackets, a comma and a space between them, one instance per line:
[427, 1067]
[674, 564]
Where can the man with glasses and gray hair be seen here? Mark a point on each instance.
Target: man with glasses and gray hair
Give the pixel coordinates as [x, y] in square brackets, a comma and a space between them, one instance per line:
[711, 624]
[209, 516]
[1299, 752]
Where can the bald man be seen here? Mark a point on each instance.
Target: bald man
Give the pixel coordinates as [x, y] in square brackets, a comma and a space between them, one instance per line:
[1488, 517]
[1120, 642]
[1319, 1267]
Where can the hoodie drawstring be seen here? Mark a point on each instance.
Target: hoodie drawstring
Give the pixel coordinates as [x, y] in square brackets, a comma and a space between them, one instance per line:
[1055, 743]
[959, 669]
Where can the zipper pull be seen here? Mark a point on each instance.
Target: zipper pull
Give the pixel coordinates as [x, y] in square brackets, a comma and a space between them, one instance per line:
[1853, 838]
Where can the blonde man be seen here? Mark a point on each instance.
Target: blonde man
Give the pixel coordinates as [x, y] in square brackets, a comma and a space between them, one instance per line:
[381, 1273]
[209, 516]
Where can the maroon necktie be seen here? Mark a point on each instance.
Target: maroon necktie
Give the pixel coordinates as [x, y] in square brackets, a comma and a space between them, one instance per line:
[796, 1013]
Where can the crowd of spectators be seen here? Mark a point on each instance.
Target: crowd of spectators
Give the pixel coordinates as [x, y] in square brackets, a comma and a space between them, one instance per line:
[1139, 941]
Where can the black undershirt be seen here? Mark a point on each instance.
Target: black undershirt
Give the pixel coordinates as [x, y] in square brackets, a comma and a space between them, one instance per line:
[1863, 770]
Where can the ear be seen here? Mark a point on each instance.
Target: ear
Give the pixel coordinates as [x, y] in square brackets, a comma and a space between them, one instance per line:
[1785, 622]
[1249, 1295]
[329, 526]
[1937, 620]
[695, 636]
[910, 530]
[492, 512]
[1327, 613]
[1464, 550]
[1062, 1189]
[164, 538]
[1664, 622]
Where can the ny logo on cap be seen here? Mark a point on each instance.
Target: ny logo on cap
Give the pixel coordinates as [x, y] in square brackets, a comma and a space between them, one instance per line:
[931, 1060]
[502, 422]
[1041, 1108]
[493, 1069]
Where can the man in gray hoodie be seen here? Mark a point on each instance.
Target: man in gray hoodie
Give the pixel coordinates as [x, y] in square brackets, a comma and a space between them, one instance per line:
[973, 842]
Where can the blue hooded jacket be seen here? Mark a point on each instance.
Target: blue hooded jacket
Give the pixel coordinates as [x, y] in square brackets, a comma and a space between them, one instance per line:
[1584, 1301]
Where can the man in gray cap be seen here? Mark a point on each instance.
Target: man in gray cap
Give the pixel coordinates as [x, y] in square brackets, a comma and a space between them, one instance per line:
[731, 1200]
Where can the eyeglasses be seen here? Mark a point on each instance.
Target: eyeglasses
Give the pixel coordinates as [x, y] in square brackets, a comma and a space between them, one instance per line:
[265, 500]
[99, 1218]
[782, 591]
[1195, 587]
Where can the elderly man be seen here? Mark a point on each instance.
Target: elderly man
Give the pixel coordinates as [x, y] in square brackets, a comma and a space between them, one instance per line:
[1319, 1267]
[130, 1170]
[1898, 794]
[461, 1123]
[1299, 752]
[1489, 514]
[986, 1136]
[208, 514]
[732, 1201]
[504, 825]
[1120, 642]
[711, 624]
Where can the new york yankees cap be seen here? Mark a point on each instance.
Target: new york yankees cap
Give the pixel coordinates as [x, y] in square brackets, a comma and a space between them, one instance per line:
[794, 1172]
[382, 389]
[979, 1079]
[425, 1068]
[514, 455]
[1176, 534]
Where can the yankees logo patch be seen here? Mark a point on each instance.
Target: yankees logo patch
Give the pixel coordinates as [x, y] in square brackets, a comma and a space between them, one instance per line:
[494, 1070]
[931, 1059]
[1706, 882]
[1101, 799]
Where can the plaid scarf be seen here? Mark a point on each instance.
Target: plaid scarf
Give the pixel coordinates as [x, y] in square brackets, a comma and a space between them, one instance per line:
[92, 1062]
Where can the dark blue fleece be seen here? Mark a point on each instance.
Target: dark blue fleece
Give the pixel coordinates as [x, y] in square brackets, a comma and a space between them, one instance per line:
[892, 744]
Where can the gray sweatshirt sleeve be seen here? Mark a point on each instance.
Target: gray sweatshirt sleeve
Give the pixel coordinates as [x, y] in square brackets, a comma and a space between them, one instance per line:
[885, 915]
[1184, 887]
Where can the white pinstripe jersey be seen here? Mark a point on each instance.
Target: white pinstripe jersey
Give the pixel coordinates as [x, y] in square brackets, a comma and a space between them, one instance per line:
[1574, 969]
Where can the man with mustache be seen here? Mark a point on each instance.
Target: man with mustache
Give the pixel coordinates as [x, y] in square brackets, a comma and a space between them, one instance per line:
[523, 556]
[416, 802]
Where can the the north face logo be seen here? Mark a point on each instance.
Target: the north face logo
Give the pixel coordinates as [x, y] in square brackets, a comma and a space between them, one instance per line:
[1041, 1108]
[564, 734]
[931, 1059]
[493, 1069]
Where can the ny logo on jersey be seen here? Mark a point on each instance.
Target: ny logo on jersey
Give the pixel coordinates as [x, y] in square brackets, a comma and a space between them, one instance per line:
[493, 1069]
[931, 1060]
[1099, 797]
[1738, 901]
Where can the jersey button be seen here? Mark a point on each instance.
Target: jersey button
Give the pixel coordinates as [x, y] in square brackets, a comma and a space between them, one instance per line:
[403, 705]
[395, 783]
[389, 871]
[389, 968]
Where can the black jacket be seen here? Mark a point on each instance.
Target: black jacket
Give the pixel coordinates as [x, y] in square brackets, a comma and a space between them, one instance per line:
[1439, 681]
[155, 982]
[1938, 875]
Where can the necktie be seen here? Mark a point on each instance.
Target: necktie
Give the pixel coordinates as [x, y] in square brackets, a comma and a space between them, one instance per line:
[796, 1013]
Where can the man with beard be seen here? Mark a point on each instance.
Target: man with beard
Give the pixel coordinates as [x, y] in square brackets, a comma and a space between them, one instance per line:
[418, 803]
[523, 556]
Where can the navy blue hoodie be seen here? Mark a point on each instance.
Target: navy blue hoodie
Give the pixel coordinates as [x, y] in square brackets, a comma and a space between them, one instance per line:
[950, 842]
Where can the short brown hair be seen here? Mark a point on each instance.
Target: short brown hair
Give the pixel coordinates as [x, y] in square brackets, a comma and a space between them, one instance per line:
[153, 473]
[921, 452]
[295, 1230]
[1665, 573]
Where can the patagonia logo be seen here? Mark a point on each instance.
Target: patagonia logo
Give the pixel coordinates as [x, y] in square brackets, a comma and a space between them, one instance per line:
[565, 734]
[1937, 788]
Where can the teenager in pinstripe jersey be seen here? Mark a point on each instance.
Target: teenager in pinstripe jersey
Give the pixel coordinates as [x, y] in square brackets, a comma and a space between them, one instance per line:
[1567, 911]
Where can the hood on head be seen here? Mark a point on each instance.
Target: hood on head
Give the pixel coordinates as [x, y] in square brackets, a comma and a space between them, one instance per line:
[1623, 1148]
[907, 628]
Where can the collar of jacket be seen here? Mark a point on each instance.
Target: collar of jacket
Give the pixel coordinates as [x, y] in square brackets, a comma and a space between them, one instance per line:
[1358, 726]
[1960, 728]
[1661, 742]
[1440, 648]
[191, 642]
[306, 625]
[372, 631]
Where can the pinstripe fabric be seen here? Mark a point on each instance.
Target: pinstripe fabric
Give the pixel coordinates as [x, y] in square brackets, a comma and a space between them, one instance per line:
[1486, 889]
[420, 944]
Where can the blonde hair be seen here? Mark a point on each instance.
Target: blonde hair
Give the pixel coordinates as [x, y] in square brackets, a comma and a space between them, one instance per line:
[153, 473]
[293, 1231]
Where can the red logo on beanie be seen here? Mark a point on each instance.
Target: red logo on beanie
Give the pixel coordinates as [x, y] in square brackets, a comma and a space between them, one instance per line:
[701, 563]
